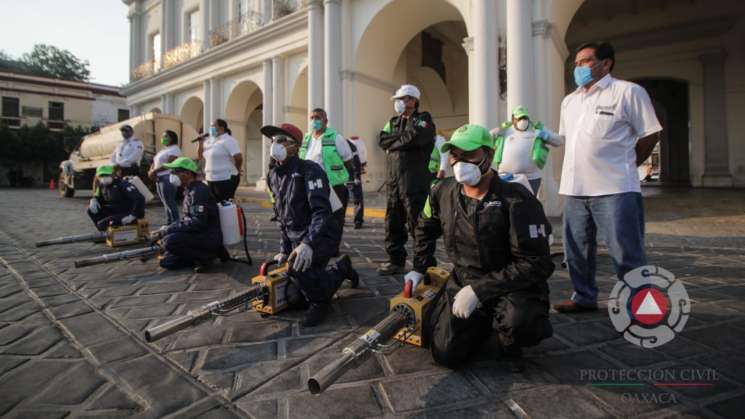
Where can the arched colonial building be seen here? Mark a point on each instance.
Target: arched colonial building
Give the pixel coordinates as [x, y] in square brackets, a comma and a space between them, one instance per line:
[254, 62]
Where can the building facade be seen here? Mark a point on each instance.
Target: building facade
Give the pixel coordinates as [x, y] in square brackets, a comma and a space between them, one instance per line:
[28, 100]
[255, 62]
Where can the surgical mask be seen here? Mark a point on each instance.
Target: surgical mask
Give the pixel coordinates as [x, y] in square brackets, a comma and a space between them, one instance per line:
[582, 75]
[399, 106]
[278, 152]
[213, 132]
[175, 180]
[316, 124]
[522, 124]
[105, 180]
[164, 141]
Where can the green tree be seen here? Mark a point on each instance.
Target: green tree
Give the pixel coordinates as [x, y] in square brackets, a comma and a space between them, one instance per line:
[55, 62]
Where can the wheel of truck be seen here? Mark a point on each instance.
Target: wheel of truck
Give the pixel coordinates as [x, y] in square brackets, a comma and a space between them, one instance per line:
[65, 191]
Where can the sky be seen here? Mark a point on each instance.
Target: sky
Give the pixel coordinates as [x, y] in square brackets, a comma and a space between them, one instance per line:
[93, 30]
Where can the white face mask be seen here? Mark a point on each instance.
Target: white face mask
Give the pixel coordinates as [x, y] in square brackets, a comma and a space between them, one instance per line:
[105, 180]
[278, 152]
[399, 106]
[467, 173]
[522, 124]
[175, 180]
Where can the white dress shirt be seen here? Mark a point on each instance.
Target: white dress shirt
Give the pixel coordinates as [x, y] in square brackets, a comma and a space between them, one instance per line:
[601, 126]
[128, 153]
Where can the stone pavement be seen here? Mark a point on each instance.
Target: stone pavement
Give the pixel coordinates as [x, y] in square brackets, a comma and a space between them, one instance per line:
[71, 340]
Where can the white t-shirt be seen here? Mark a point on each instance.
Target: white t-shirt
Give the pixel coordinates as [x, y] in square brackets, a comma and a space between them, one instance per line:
[128, 153]
[218, 157]
[517, 154]
[361, 149]
[601, 127]
[316, 146]
[162, 158]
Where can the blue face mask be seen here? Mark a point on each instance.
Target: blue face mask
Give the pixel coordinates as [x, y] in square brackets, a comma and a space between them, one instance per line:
[582, 75]
[316, 124]
[213, 132]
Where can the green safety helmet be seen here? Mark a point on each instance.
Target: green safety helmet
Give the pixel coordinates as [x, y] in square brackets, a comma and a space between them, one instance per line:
[520, 112]
[105, 170]
[183, 163]
[469, 137]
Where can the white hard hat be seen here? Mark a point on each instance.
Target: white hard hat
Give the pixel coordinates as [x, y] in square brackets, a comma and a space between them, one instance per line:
[406, 90]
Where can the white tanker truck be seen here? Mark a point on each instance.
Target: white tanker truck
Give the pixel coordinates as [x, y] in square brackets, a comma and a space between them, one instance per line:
[95, 149]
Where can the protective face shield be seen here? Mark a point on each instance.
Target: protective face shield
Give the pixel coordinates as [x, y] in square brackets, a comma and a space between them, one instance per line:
[316, 124]
[106, 180]
[522, 124]
[213, 132]
[175, 180]
[278, 152]
[399, 106]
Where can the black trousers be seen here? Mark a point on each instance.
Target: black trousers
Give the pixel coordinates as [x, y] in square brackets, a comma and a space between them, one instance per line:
[341, 213]
[185, 250]
[224, 190]
[521, 320]
[319, 282]
[401, 216]
[356, 197]
[104, 217]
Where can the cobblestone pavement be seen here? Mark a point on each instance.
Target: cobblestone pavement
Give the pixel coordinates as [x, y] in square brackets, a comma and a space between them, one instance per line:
[71, 339]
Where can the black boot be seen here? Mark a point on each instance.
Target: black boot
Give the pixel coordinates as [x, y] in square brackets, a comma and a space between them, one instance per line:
[315, 314]
[344, 265]
[223, 254]
[514, 354]
[203, 266]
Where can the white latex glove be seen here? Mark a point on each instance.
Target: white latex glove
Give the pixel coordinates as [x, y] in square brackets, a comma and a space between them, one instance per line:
[128, 219]
[94, 206]
[159, 233]
[464, 303]
[280, 258]
[302, 257]
[414, 277]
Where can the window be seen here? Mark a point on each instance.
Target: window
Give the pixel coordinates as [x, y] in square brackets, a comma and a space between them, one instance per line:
[56, 115]
[192, 26]
[243, 7]
[122, 114]
[11, 108]
[32, 112]
[155, 50]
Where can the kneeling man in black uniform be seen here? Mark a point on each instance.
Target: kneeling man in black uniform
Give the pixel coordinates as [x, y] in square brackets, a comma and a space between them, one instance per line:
[116, 202]
[309, 234]
[496, 235]
[195, 240]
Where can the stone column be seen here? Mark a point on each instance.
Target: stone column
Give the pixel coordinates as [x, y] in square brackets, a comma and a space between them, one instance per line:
[267, 11]
[204, 9]
[133, 62]
[207, 109]
[315, 54]
[216, 109]
[332, 62]
[163, 29]
[278, 83]
[716, 144]
[468, 47]
[520, 75]
[267, 119]
[485, 80]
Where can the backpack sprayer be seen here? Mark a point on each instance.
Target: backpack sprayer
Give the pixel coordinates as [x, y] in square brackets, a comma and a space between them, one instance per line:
[270, 293]
[113, 236]
[409, 311]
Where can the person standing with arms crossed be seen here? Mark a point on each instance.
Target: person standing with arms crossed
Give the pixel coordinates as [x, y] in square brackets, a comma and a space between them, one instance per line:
[610, 128]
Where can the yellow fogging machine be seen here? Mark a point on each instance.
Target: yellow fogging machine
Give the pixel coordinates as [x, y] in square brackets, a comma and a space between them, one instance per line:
[113, 236]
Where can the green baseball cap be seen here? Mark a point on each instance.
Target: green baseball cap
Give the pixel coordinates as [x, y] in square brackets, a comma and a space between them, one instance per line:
[105, 170]
[520, 112]
[469, 137]
[183, 163]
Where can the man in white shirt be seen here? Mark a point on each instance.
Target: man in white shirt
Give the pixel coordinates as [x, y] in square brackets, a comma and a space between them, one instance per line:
[128, 153]
[516, 143]
[331, 151]
[610, 128]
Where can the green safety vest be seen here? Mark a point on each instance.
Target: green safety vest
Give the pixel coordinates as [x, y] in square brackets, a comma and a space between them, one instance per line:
[539, 154]
[333, 164]
[434, 160]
